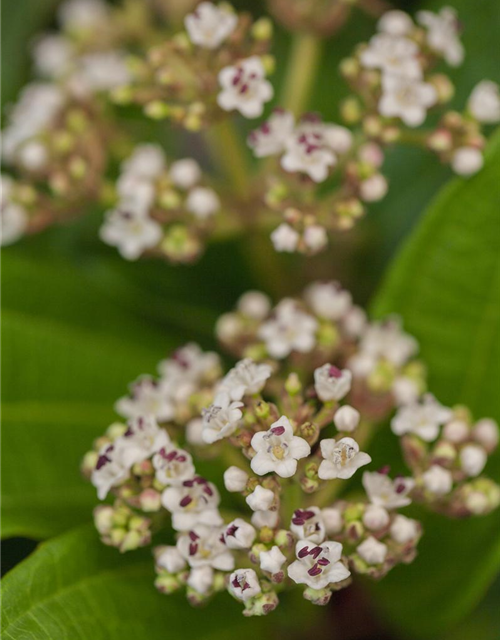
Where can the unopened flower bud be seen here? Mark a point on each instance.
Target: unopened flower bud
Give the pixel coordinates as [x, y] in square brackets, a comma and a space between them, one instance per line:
[333, 520]
[466, 161]
[235, 479]
[372, 551]
[375, 517]
[320, 597]
[404, 529]
[437, 480]
[293, 385]
[486, 433]
[472, 459]
[456, 431]
[150, 500]
[346, 418]
[260, 499]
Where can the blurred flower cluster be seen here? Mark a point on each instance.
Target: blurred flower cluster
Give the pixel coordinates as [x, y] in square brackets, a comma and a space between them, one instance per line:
[70, 145]
[285, 431]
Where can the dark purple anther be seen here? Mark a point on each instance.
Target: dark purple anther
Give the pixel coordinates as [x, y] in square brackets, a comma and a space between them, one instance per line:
[315, 570]
[185, 501]
[315, 552]
[193, 548]
[278, 431]
[323, 562]
[303, 552]
[334, 372]
[231, 530]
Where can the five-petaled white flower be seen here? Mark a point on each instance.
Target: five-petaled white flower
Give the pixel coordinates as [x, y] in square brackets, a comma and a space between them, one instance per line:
[308, 151]
[203, 546]
[271, 137]
[173, 465]
[239, 534]
[208, 26]
[193, 502]
[278, 450]
[341, 458]
[272, 560]
[307, 524]
[390, 54]
[245, 378]
[141, 440]
[332, 383]
[221, 419]
[132, 232]
[318, 566]
[289, 330]
[443, 29]
[406, 98]
[484, 102]
[244, 584]
[421, 418]
[147, 397]
[245, 88]
[385, 492]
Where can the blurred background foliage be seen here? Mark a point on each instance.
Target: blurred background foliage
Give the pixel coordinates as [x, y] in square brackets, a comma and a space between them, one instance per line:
[79, 323]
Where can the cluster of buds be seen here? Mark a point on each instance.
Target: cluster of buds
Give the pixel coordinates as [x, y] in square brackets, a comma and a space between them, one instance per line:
[160, 210]
[289, 425]
[218, 64]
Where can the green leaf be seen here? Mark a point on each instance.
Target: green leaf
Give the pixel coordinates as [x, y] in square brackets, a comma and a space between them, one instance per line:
[446, 285]
[74, 587]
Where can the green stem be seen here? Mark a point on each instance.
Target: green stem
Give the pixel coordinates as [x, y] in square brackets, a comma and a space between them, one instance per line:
[301, 72]
[230, 153]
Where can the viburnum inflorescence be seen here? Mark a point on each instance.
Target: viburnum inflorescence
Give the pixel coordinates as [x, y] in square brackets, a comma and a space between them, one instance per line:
[286, 429]
[68, 140]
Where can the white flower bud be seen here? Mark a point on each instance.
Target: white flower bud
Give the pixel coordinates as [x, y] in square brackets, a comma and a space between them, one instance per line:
[403, 529]
[185, 173]
[33, 156]
[332, 519]
[466, 161]
[486, 433]
[477, 502]
[484, 102]
[373, 188]
[372, 154]
[472, 459]
[201, 579]
[194, 432]
[254, 304]
[235, 479]
[375, 517]
[228, 327]
[285, 238]
[315, 237]
[265, 519]
[354, 322]
[372, 551]
[171, 560]
[272, 560]
[103, 519]
[456, 431]
[395, 23]
[346, 418]
[260, 499]
[239, 534]
[202, 202]
[438, 480]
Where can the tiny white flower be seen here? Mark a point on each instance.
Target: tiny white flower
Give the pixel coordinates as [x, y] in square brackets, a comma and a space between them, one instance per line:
[146, 161]
[341, 459]
[202, 546]
[484, 102]
[486, 433]
[173, 465]
[423, 419]
[328, 300]
[141, 440]
[315, 238]
[354, 322]
[375, 517]
[260, 499]
[272, 560]
[438, 480]
[53, 55]
[221, 419]
[244, 584]
[202, 202]
[384, 492]
[228, 327]
[110, 470]
[372, 551]
[442, 34]
[387, 340]
[193, 502]
[278, 450]
[13, 222]
[318, 566]
[338, 138]
[456, 431]
[171, 560]
[346, 418]
[33, 155]
[467, 161]
[473, 459]
[235, 479]
[373, 188]
[394, 55]
[254, 304]
[185, 173]
[284, 238]
[82, 14]
[307, 524]
[131, 233]
[101, 71]
[307, 152]
[245, 88]
[289, 330]
[209, 25]
[201, 579]
[332, 517]
[406, 98]
[147, 397]
[371, 153]
[246, 378]
[332, 383]
[395, 23]
[265, 519]
[194, 432]
[404, 529]
[239, 534]
[271, 137]
[405, 390]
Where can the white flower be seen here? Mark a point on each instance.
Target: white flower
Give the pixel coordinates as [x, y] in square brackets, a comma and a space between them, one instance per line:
[265, 519]
[307, 524]
[341, 459]
[228, 327]
[421, 418]
[387, 340]
[254, 304]
[328, 300]
[32, 155]
[170, 559]
[332, 383]
[185, 173]
[346, 418]
[375, 517]
[438, 480]
[270, 138]
[484, 102]
[393, 55]
[201, 579]
[246, 378]
[405, 390]
[486, 433]
[260, 499]
[221, 419]
[131, 233]
[315, 237]
[472, 459]
[336, 137]
[141, 440]
[147, 161]
[290, 330]
[101, 71]
[332, 517]
[307, 151]
[194, 502]
[442, 34]
[285, 238]
[272, 560]
[110, 470]
[202, 546]
[404, 529]
[244, 584]
[208, 26]
[187, 367]
[147, 397]
[194, 432]
[318, 566]
[202, 202]
[79, 15]
[14, 222]
[406, 98]
[456, 431]
[373, 188]
[467, 161]
[173, 465]
[239, 534]
[395, 23]
[245, 88]
[354, 322]
[372, 551]
[235, 479]
[278, 450]
[53, 55]
[384, 492]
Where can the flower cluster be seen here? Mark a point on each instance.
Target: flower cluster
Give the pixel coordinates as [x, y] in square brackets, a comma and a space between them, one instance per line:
[289, 422]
